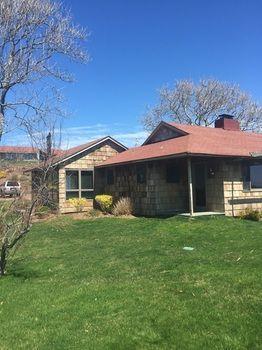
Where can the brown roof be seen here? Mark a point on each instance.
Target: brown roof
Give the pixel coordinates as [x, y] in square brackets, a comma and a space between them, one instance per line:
[64, 155]
[198, 140]
[17, 149]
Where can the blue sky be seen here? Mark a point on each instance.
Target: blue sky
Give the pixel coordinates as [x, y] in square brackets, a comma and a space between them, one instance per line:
[138, 46]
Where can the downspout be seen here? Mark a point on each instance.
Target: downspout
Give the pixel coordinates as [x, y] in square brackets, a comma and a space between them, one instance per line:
[190, 186]
[232, 197]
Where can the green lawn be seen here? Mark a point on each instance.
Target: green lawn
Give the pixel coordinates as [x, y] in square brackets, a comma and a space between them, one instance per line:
[128, 284]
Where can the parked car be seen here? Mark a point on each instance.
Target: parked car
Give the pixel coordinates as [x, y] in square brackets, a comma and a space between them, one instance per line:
[10, 188]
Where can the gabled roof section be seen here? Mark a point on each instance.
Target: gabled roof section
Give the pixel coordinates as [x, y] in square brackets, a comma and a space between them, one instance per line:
[74, 151]
[164, 131]
[197, 141]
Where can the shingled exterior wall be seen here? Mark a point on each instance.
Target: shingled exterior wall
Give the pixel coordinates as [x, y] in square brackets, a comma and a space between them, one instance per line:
[85, 161]
[236, 198]
[156, 196]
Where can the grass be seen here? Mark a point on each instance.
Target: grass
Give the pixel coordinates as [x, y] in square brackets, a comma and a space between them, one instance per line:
[128, 284]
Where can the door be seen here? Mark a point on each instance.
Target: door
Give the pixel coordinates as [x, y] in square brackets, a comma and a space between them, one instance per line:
[199, 186]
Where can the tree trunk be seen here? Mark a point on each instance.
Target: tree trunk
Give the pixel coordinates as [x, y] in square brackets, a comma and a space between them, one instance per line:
[3, 260]
[2, 115]
[1, 124]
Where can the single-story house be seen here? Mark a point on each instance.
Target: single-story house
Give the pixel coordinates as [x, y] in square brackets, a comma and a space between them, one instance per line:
[18, 153]
[186, 168]
[71, 173]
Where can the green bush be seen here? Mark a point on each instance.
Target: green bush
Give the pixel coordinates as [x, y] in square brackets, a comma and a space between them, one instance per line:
[105, 202]
[94, 213]
[251, 214]
[42, 211]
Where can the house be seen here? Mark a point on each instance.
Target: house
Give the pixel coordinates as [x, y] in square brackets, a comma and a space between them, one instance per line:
[72, 174]
[18, 153]
[185, 168]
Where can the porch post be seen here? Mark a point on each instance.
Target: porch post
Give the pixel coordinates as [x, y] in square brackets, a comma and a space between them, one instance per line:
[190, 186]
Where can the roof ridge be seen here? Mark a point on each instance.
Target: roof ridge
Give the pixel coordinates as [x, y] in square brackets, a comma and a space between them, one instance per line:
[86, 143]
[209, 128]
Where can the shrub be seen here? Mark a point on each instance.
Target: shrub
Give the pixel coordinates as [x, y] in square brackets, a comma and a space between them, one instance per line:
[78, 203]
[123, 207]
[251, 214]
[94, 213]
[105, 202]
[42, 211]
[14, 177]
[3, 174]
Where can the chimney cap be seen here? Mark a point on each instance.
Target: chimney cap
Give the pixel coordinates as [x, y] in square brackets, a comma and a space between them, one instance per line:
[227, 116]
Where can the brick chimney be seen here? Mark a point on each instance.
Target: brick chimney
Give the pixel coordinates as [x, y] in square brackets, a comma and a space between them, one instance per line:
[227, 122]
[48, 144]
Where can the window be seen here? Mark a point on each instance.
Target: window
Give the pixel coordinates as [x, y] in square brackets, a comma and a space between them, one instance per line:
[172, 173]
[141, 174]
[110, 177]
[12, 184]
[29, 156]
[252, 176]
[79, 184]
[11, 156]
[256, 176]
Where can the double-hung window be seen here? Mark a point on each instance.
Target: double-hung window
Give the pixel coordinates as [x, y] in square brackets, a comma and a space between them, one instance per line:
[256, 176]
[252, 177]
[79, 184]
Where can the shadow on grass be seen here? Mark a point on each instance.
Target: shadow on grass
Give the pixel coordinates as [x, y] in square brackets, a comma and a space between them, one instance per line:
[18, 270]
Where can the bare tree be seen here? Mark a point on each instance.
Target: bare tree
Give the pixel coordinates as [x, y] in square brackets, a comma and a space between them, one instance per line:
[202, 103]
[16, 214]
[14, 225]
[33, 33]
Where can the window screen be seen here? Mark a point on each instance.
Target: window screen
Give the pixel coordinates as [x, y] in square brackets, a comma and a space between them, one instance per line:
[256, 176]
[110, 177]
[172, 173]
[87, 180]
[72, 180]
[141, 174]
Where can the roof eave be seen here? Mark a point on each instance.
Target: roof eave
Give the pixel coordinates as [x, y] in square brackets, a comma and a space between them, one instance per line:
[178, 155]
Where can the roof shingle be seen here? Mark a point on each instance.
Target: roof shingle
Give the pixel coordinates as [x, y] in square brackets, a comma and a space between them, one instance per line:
[198, 141]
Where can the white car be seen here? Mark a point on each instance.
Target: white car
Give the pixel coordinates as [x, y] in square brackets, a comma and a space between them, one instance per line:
[10, 188]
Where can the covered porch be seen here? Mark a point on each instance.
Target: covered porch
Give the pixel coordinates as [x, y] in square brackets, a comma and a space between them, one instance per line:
[170, 186]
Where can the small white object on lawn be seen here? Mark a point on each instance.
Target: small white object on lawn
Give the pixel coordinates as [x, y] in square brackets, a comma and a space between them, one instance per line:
[188, 248]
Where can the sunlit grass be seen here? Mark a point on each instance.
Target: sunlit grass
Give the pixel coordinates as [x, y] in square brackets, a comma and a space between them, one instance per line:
[128, 284]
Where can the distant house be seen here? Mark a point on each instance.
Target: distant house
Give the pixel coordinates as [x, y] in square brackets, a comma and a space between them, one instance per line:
[17, 153]
[184, 168]
[74, 171]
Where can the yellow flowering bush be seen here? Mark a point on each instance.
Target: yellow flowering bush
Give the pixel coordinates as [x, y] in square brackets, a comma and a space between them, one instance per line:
[2, 174]
[105, 202]
[78, 203]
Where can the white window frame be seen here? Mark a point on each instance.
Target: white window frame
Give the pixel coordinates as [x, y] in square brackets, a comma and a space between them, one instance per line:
[80, 189]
